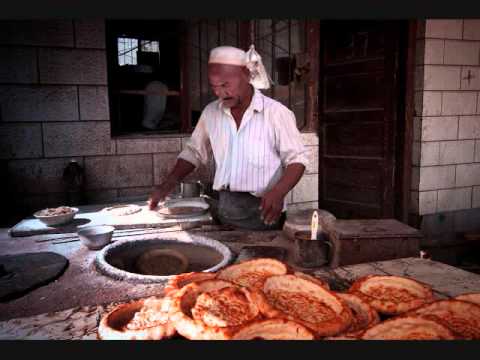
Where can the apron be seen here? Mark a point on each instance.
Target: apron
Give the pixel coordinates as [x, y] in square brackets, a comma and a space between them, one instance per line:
[241, 209]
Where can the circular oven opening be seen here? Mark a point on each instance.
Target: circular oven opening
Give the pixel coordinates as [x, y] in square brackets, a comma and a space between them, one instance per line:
[157, 260]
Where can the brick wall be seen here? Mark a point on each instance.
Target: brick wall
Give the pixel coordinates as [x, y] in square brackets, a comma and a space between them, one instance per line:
[446, 149]
[54, 107]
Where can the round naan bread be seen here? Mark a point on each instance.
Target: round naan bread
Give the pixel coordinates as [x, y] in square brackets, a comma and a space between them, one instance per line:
[472, 297]
[122, 210]
[161, 262]
[408, 328]
[145, 319]
[462, 317]
[180, 210]
[215, 309]
[229, 306]
[307, 303]
[312, 278]
[252, 273]
[273, 329]
[179, 281]
[392, 295]
[364, 315]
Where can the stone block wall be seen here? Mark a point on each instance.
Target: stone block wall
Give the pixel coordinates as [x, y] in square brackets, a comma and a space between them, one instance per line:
[54, 107]
[446, 161]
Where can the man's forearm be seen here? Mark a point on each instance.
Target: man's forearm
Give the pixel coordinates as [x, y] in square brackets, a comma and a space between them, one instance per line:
[179, 172]
[181, 169]
[292, 175]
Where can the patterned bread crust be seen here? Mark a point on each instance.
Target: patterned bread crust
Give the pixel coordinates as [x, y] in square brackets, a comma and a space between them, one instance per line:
[145, 319]
[392, 295]
[308, 303]
[274, 329]
[252, 273]
[216, 309]
[408, 328]
[178, 281]
[471, 297]
[462, 317]
[364, 315]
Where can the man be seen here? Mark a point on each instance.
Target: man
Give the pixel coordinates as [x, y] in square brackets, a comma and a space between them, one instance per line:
[258, 150]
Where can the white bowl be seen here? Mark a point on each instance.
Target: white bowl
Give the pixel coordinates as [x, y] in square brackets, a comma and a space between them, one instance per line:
[56, 219]
[96, 237]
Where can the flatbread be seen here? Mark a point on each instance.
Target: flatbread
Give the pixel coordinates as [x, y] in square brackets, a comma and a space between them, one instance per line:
[145, 319]
[312, 278]
[273, 329]
[180, 210]
[181, 312]
[392, 295]
[408, 328]
[252, 273]
[473, 298]
[364, 315]
[347, 336]
[123, 210]
[161, 262]
[230, 306]
[462, 317]
[307, 303]
[215, 309]
[179, 281]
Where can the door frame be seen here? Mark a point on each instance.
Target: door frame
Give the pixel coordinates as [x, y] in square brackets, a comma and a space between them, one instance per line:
[404, 123]
[403, 202]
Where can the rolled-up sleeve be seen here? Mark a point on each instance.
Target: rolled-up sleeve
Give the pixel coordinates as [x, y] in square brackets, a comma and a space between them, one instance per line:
[197, 147]
[288, 139]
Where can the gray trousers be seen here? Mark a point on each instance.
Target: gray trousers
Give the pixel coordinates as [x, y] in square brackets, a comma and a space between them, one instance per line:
[241, 209]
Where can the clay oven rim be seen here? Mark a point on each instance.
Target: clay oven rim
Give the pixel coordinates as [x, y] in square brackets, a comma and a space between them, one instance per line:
[106, 269]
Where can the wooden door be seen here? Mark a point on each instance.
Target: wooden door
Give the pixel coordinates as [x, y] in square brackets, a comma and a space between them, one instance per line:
[359, 107]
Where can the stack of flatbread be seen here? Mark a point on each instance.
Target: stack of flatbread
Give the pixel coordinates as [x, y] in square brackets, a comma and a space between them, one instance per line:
[411, 312]
[265, 299]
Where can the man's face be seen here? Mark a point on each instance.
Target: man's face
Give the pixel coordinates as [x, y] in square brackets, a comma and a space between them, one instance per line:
[230, 83]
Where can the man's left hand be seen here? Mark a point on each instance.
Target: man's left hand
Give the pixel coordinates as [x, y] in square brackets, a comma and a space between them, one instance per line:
[271, 206]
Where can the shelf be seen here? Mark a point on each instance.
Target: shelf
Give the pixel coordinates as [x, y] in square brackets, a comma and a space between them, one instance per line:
[143, 92]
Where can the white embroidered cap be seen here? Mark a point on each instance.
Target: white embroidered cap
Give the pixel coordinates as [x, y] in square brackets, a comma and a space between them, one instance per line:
[230, 55]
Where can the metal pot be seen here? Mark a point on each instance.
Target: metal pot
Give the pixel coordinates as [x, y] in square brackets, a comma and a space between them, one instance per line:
[191, 189]
[312, 253]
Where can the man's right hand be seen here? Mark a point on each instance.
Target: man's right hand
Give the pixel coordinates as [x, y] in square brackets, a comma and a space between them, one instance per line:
[181, 169]
[158, 195]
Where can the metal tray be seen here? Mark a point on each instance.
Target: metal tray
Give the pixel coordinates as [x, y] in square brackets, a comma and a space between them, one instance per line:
[201, 207]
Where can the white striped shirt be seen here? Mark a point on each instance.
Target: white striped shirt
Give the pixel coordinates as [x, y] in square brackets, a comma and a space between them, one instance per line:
[250, 159]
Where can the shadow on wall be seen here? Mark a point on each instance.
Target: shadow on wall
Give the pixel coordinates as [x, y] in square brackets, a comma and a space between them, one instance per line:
[18, 202]
[9, 211]
[453, 238]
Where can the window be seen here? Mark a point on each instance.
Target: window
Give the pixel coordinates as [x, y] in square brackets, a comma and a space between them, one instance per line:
[127, 51]
[144, 73]
[157, 69]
